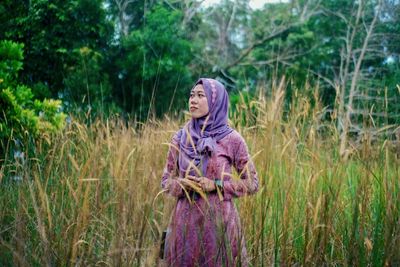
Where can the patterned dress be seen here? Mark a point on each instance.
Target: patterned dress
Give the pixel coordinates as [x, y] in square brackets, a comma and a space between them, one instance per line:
[207, 232]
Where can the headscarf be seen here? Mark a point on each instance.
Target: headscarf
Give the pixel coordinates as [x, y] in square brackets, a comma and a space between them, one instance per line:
[198, 146]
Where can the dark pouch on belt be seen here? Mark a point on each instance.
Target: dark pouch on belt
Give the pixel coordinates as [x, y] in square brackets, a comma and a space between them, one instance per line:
[162, 245]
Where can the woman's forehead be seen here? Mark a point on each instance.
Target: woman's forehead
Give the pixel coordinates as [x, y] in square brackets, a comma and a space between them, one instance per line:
[198, 88]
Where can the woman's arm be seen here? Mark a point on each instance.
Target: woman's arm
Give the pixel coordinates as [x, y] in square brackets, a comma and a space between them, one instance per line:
[169, 179]
[248, 183]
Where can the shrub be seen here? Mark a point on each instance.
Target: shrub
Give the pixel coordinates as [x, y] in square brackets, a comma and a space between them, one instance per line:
[22, 116]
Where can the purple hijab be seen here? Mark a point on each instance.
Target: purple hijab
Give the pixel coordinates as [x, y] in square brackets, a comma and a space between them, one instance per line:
[200, 145]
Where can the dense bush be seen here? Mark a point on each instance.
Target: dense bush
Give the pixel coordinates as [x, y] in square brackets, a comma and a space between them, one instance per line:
[22, 114]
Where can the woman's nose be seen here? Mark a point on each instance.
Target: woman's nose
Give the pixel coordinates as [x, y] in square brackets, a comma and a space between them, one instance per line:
[193, 100]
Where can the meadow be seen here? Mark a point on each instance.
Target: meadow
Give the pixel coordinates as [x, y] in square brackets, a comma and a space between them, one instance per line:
[91, 195]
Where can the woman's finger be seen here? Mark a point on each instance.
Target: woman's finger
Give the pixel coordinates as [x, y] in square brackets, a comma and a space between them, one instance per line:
[193, 178]
[189, 183]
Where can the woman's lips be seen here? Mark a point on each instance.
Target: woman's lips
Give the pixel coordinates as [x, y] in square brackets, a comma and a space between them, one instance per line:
[193, 108]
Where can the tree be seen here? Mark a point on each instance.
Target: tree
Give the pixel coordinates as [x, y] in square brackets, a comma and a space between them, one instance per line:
[22, 116]
[352, 54]
[128, 14]
[50, 31]
[87, 88]
[150, 69]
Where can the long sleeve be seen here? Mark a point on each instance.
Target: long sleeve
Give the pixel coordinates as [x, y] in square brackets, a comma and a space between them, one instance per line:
[248, 183]
[169, 180]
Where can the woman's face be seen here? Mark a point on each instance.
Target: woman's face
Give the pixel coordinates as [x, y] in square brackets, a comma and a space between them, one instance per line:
[198, 104]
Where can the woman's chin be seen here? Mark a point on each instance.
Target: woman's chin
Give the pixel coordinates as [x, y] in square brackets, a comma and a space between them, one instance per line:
[195, 115]
[198, 116]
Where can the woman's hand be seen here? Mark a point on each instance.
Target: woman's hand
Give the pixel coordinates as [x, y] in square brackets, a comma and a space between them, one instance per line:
[189, 184]
[207, 185]
[175, 185]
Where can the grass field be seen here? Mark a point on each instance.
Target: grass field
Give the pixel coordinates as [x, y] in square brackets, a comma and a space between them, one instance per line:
[92, 196]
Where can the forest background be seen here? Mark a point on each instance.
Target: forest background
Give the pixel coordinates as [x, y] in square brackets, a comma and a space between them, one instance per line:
[81, 74]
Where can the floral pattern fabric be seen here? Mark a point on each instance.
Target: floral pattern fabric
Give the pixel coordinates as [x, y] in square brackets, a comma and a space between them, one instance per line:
[207, 231]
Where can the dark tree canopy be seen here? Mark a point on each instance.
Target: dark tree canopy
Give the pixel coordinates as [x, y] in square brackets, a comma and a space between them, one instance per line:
[141, 57]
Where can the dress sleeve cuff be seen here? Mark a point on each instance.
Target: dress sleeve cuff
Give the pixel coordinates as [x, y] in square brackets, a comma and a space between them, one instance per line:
[174, 188]
[227, 190]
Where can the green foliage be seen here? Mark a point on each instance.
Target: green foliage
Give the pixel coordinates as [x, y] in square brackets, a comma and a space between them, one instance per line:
[152, 65]
[11, 61]
[87, 87]
[51, 30]
[141, 57]
[22, 115]
[243, 109]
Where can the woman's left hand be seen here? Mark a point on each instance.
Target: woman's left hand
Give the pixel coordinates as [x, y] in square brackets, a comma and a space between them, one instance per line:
[206, 184]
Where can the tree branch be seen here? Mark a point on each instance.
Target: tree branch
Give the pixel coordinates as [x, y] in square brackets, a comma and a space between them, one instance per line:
[247, 51]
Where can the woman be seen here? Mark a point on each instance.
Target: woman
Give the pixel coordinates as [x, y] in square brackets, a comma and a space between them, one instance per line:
[205, 227]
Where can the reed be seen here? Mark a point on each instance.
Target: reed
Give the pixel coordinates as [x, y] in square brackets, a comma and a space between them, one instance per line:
[91, 196]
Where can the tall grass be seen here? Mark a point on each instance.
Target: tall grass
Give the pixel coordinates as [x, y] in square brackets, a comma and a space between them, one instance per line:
[91, 196]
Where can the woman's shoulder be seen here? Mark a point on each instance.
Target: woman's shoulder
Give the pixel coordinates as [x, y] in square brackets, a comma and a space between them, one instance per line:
[177, 135]
[232, 143]
[233, 138]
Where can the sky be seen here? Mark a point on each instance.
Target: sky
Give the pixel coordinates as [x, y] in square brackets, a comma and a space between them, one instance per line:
[254, 4]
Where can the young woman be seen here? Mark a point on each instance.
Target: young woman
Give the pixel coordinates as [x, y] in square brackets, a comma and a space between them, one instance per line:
[205, 228]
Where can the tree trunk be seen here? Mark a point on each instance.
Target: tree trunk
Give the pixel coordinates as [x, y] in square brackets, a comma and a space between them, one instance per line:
[343, 149]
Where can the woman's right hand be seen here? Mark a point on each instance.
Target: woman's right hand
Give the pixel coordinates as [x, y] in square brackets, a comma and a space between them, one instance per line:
[175, 185]
[189, 184]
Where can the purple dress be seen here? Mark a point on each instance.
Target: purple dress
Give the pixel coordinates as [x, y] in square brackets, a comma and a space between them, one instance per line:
[207, 232]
